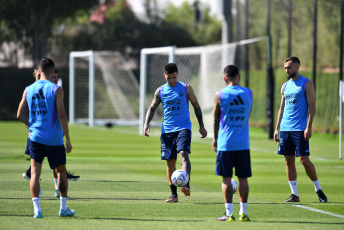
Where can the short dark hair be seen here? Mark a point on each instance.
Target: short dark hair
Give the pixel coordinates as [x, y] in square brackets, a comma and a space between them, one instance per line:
[293, 60]
[231, 71]
[46, 65]
[170, 68]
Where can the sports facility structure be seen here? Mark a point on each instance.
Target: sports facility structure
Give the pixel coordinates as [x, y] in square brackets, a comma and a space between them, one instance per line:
[201, 67]
[103, 89]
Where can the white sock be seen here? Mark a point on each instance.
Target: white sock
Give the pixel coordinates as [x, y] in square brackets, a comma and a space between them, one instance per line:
[243, 208]
[317, 186]
[63, 203]
[293, 187]
[36, 207]
[55, 181]
[229, 208]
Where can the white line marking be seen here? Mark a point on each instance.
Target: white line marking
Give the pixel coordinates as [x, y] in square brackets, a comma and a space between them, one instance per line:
[317, 210]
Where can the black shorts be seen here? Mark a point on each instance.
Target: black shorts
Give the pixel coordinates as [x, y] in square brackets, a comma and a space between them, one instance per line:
[172, 143]
[56, 154]
[240, 160]
[293, 143]
[27, 149]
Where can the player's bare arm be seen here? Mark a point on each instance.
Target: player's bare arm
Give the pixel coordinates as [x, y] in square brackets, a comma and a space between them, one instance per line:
[310, 94]
[63, 117]
[151, 111]
[198, 111]
[279, 117]
[23, 111]
[216, 124]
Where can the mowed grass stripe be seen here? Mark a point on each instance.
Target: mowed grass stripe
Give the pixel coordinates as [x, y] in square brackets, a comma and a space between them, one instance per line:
[123, 185]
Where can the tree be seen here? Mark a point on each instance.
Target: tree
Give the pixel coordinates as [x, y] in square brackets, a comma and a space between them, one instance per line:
[29, 23]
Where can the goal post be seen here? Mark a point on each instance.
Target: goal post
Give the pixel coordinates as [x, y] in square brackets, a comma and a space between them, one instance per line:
[82, 54]
[103, 89]
[201, 67]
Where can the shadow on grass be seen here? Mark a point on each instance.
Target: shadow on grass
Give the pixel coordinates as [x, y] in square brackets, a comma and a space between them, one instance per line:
[118, 181]
[82, 198]
[294, 222]
[16, 215]
[134, 219]
[276, 203]
[112, 218]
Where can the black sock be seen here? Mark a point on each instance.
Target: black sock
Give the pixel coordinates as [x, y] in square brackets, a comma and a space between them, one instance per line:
[174, 190]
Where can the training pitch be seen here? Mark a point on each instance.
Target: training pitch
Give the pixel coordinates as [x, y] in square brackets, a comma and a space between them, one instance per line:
[123, 184]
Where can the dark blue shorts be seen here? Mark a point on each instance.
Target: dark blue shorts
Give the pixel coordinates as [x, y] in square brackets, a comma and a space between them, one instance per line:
[293, 143]
[27, 149]
[56, 154]
[172, 143]
[240, 160]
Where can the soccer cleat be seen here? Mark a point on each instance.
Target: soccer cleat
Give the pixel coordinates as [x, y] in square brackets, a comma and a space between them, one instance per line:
[27, 174]
[67, 213]
[293, 198]
[226, 218]
[172, 199]
[244, 217]
[322, 196]
[38, 215]
[71, 177]
[186, 191]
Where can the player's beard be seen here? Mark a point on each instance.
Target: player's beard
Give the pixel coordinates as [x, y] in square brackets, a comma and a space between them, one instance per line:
[291, 75]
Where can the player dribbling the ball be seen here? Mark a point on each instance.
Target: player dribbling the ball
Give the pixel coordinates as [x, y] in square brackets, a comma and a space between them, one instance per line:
[176, 126]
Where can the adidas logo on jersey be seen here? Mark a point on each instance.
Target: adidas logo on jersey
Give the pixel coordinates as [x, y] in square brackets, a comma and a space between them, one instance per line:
[237, 101]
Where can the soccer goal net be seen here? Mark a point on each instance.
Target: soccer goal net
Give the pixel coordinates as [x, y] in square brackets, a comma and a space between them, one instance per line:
[102, 89]
[201, 67]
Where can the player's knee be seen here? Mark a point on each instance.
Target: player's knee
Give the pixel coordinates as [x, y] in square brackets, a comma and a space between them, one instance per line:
[184, 154]
[305, 162]
[61, 169]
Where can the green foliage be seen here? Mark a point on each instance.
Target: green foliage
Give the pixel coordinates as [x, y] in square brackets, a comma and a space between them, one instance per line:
[35, 19]
[123, 184]
[207, 31]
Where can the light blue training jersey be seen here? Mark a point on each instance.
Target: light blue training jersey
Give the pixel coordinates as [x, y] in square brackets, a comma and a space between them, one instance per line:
[235, 106]
[295, 113]
[45, 127]
[175, 105]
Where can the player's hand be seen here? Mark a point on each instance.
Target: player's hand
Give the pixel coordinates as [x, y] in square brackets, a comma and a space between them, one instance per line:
[307, 134]
[68, 146]
[146, 129]
[215, 145]
[276, 136]
[203, 132]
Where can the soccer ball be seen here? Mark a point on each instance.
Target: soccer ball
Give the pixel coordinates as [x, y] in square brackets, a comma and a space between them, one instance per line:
[180, 178]
[234, 186]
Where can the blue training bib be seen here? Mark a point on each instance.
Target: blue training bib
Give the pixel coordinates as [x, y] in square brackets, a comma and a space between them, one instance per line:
[175, 104]
[235, 106]
[295, 113]
[44, 123]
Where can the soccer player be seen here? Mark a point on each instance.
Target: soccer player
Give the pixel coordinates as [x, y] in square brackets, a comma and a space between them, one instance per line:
[294, 126]
[176, 126]
[27, 174]
[231, 140]
[44, 101]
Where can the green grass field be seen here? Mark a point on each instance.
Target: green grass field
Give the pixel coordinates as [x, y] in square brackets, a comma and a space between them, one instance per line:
[123, 185]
